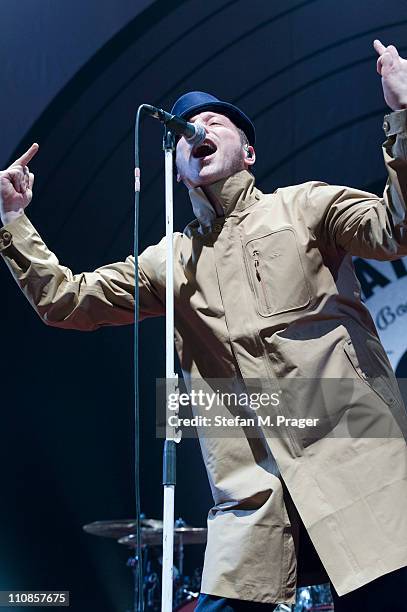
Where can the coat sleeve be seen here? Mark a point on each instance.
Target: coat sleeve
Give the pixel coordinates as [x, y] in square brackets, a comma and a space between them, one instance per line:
[83, 301]
[362, 223]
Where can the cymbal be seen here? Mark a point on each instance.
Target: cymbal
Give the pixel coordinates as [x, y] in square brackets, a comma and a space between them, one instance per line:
[120, 528]
[154, 537]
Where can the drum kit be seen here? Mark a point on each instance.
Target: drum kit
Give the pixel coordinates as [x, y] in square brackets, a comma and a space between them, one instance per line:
[186, 588]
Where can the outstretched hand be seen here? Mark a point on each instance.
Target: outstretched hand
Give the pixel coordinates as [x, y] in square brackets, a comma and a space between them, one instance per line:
[393, 70]
[16, 183]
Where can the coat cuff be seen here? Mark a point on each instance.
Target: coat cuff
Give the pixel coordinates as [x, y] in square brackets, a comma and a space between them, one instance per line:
[19, 229]
[395, 123]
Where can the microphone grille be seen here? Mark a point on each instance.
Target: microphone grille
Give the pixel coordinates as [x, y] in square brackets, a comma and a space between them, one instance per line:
[200, 134]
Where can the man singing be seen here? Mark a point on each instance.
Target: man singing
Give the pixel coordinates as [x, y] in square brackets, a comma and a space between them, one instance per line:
[264, 288]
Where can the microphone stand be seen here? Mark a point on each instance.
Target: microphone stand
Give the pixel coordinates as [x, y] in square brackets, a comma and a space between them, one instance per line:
[172, 437]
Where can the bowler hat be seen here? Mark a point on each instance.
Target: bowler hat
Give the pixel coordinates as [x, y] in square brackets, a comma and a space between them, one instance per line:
[195, 102]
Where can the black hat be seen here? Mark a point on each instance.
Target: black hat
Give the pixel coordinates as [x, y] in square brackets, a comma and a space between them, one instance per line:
[196, 102]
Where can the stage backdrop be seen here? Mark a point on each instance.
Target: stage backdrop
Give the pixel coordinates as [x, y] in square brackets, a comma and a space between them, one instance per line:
[73, 74]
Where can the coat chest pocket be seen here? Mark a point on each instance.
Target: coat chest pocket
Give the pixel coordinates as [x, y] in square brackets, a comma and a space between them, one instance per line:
[276, 273]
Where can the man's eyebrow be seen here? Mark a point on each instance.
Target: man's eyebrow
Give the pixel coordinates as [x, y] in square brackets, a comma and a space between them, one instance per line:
[217, 115]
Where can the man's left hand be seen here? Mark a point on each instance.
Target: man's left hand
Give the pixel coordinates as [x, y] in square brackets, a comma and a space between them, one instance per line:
[393, 70]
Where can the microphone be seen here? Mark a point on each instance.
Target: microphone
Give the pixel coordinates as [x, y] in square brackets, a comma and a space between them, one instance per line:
[194, 133]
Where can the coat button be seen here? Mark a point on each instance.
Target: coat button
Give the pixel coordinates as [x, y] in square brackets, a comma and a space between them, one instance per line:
[217, 227]
[5, 239]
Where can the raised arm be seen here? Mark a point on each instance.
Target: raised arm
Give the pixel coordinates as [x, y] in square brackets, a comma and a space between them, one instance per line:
[83, 301]
[360, 222]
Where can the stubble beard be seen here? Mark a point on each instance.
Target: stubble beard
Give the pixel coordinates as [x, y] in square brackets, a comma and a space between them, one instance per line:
[234, 164]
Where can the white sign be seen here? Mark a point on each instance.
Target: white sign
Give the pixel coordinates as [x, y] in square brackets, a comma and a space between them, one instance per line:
[384, 290]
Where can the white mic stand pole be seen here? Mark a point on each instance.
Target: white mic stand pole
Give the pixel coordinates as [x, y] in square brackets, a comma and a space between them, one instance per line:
[172, 437]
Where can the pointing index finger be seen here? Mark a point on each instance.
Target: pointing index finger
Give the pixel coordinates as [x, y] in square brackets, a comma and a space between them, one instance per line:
[379, 47]
[28, 155]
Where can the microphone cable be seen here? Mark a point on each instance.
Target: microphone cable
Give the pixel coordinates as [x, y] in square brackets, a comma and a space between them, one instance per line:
[139, 583]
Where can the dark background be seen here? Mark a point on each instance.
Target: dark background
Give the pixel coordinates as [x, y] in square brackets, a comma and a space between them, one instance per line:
[73, 75]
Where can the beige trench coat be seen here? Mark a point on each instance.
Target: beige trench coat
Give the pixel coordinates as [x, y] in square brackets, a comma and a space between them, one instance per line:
[302, 318]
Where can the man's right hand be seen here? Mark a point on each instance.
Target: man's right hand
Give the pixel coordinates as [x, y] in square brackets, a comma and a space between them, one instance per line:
[16, 183]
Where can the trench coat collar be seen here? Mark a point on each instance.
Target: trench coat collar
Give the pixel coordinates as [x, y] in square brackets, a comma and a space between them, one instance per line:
[232, 194]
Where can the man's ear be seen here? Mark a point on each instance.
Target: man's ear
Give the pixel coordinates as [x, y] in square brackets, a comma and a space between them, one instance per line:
[250, 155]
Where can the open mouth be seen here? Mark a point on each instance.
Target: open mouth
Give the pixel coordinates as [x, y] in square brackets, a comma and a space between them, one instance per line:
[204, 150]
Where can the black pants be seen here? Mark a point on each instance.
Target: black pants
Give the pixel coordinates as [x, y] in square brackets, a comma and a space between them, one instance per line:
[385, 594]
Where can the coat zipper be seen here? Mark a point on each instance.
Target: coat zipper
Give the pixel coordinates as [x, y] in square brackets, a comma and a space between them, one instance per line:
[258, 276]
[292, 440]
[296, 447]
